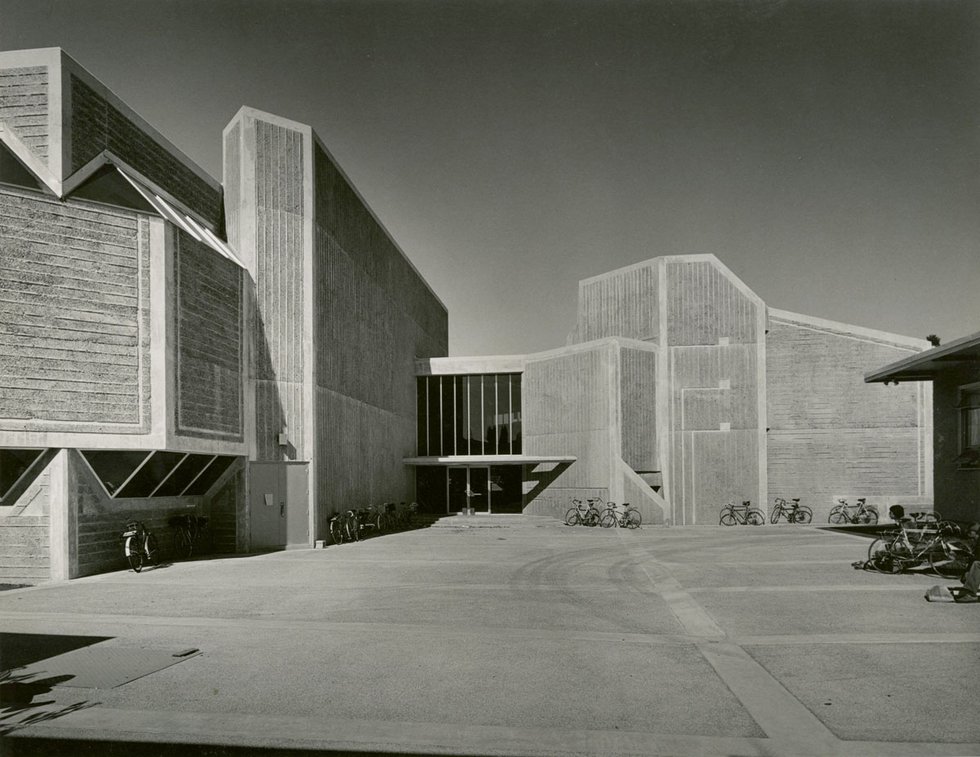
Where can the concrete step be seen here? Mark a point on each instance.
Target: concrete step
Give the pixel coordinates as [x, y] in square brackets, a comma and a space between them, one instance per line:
[495, 520]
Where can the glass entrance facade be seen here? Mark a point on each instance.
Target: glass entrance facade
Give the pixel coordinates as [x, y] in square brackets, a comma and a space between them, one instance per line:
[485, 488]
[469, 415]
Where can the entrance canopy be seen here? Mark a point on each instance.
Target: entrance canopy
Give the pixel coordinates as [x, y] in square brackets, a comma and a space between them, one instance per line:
[490, 460]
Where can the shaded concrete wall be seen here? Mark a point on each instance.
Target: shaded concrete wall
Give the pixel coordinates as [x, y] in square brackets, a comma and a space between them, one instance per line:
[96, 521]
[957, 486]
[338, 317]
[209, 336]
[830, 434]
[373, 316]
[97, 123]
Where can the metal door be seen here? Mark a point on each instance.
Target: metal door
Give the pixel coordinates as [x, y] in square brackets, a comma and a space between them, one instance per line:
[278, 504]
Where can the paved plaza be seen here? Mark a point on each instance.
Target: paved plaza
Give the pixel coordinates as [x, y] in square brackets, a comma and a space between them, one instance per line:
[501, 635]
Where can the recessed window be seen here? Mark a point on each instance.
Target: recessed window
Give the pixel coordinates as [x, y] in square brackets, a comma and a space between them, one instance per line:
[114, 467]
[156, 474]
[151, 475]
[969, 427]
[209, 475]
[14, 463]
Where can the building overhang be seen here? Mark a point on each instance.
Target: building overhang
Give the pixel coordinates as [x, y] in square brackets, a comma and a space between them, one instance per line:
[925, 366]
[464, 460]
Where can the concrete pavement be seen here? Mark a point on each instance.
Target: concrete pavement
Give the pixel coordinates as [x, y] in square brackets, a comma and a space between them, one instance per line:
[520, 636]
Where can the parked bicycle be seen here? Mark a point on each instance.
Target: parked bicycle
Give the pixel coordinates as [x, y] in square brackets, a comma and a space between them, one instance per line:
[344, 527]
[190, 531]
[139, 544]
[911, 546]
[794, 513]
[583, 514]
[744, 514]
[861, 513]
[621, 516]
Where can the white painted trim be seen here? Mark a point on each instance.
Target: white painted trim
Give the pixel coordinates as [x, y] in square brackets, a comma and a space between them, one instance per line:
[844, 329]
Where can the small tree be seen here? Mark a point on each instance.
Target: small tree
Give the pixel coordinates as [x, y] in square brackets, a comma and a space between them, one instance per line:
[933, 340]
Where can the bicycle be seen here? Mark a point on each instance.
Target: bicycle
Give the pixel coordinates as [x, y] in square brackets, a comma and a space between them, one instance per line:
[343, 527]
[795, 513]
[139, 544]
[742, 514]
[842, 512]
[898, 551]
[628, 517]
[189, 530]
[580, 514]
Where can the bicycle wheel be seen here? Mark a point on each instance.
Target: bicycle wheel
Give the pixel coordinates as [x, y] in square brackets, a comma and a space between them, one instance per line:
[336, 532]
[870, 517]
[633, 519]
[837, 516]
[803, 515]
[572, 518]
[776, 514]
[949, 563]
[352, 529]
[134, 554]
[755, 517]
[879, 546]
[727, 518]
[182, 543]
[592, 518]
[608, 519]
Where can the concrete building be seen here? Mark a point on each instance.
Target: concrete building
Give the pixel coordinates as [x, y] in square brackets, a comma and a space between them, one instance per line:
[259, 350]
[680, 390]
[162, 333]
[953, 370]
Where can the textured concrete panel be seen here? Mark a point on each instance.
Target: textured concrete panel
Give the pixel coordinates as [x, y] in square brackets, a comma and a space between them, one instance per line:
[97, 125]
[74, 313]
[209, 342]
[24, 106]
[622, 303]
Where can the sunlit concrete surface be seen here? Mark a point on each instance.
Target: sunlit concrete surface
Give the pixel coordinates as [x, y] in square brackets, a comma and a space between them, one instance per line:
[518, 635]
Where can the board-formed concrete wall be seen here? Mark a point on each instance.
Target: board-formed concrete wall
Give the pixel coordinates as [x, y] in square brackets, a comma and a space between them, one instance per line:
[24, 106]
[209, 342]
[830, 434]
[338, 317]
[74, 348]
[97, 124]
[568, 409]
[742, 414]
[374, 316]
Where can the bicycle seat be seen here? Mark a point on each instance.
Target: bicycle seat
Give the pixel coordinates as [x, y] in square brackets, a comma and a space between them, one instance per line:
[796, 500]
[862, 500]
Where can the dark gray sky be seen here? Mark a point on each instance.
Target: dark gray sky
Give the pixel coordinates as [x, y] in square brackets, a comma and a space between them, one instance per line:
[827, 152]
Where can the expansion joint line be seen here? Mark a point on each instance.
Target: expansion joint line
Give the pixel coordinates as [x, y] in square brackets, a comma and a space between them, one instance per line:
[778, 713]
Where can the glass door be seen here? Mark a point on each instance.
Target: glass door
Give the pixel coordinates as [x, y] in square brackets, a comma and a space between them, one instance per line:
[468, 487]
